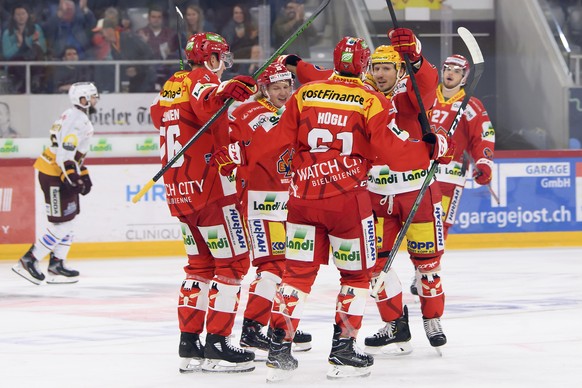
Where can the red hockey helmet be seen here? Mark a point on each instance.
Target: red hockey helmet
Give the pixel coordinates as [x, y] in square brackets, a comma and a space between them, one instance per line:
[458, 62]
[275, 72]
[201, 46]
[351, 56]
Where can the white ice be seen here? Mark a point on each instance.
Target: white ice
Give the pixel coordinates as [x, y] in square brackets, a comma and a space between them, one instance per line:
[513, 319]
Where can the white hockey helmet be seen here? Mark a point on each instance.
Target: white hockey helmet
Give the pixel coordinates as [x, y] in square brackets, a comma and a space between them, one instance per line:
[82, 89]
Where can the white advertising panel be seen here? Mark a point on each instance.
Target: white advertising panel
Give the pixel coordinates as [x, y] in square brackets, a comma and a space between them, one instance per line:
[107, 213]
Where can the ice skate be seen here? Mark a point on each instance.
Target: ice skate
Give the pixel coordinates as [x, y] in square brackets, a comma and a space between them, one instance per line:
[301, 341]
[434, 333]
[252, 338]
[221, 356]
[191, 353]
[395, 332]
[58, 273]
[280, 361]
[346, 359]
[28, 268]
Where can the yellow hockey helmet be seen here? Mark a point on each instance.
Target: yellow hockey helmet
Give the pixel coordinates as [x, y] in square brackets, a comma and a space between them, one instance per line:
[387, 54]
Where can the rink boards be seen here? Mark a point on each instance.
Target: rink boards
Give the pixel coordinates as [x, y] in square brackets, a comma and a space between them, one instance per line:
[540, 204]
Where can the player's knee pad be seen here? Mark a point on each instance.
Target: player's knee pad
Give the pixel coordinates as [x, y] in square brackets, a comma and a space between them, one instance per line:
[265, 285]
[350, 306]
[223, 297]
[194, 293]
[352, 300]
[289, 302]
[390, 288]
[428, 279]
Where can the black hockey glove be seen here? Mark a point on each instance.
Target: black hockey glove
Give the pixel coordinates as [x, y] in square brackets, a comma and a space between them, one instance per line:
[71, 179]
[87, 184]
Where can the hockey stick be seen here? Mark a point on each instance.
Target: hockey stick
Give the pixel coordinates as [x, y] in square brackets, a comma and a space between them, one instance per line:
[474, 165]
[228, 103]
[479, 66]
[422, 116]
[179, 17]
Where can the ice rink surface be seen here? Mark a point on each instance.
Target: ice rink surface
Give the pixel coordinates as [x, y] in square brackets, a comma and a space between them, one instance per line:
[513, 319]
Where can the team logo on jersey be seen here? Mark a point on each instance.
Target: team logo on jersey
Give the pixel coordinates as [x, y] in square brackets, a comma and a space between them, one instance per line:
[70, 142]
[488, 153]
[284, 163]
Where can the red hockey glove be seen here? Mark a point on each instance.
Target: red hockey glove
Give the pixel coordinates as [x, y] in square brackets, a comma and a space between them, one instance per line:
[482, 171]
[290, 59]
[71, 179]
[87, 184]
[405, 42]
[239, 88]
[227, 158]
[443, 147]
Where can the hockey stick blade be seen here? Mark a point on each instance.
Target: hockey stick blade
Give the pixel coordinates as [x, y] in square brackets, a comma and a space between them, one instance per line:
[471, 44]
[228, 103]
[479, 66]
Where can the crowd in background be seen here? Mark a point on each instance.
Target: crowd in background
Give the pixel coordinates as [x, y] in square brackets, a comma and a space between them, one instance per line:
[99, 30]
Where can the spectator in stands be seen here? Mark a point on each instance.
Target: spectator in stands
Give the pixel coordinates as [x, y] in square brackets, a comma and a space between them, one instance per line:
[288, 21]
[126, 46]
[23, 40]
[71, 26]
[195, 21]
[65, 76]
[162, 40]
[240, 32]
[253, 52]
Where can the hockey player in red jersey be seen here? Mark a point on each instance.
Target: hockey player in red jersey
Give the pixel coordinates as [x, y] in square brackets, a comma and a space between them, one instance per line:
[263, 187]
[474, 134]
[337, 128]
[393, 191]
[206, 205]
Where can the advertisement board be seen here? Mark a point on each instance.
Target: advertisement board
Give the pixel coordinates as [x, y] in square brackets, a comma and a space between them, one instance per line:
[536, 194]
[107, 213]
[17, 204]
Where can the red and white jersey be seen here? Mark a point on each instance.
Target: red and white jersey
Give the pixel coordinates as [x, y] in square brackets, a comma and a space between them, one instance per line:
[392, 180]
[337, 128]
[268, 165]
[474, 133]
[183, 106]
[384, 179]
[70, 137]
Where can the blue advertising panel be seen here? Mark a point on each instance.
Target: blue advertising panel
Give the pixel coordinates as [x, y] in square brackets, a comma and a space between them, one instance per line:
[536, 194]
